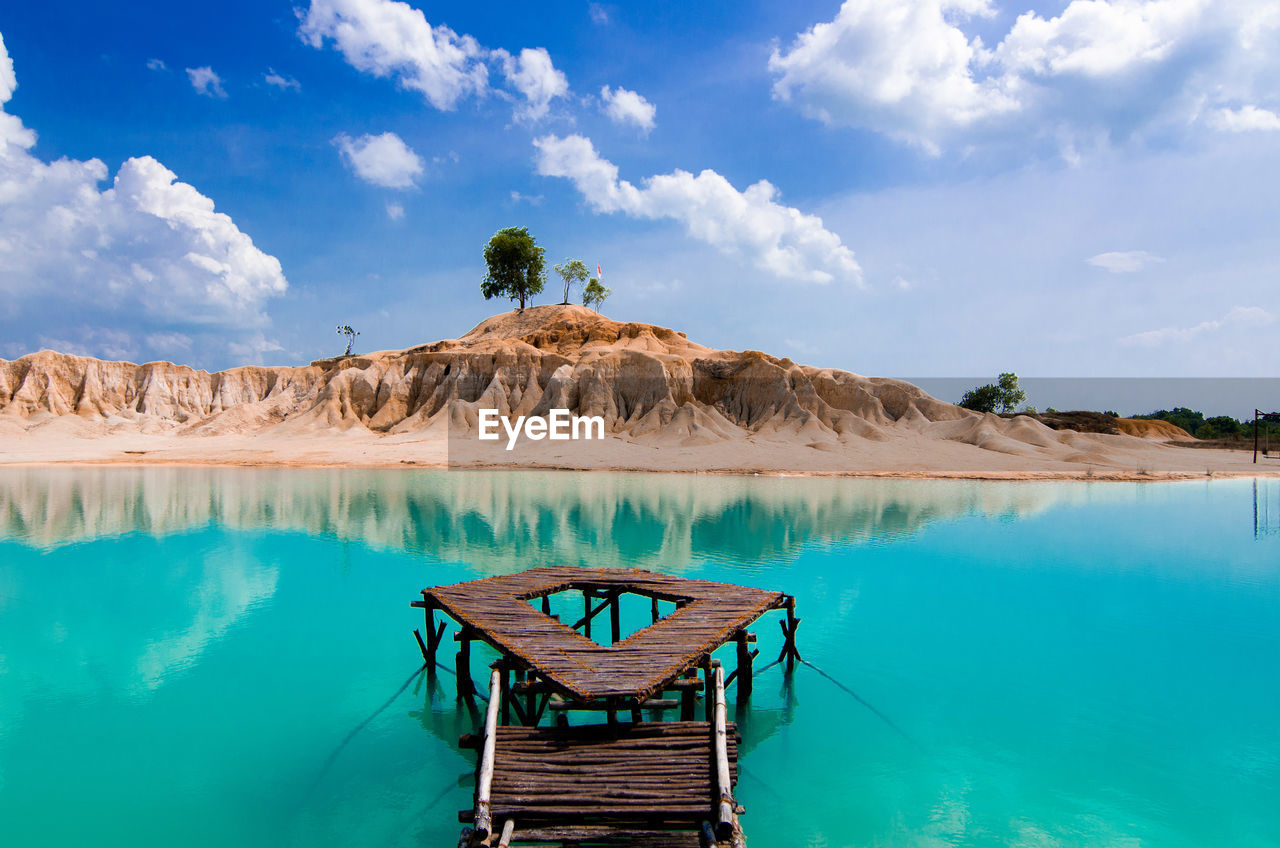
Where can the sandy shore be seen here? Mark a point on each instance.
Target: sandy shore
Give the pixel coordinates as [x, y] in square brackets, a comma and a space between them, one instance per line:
[1126, 458]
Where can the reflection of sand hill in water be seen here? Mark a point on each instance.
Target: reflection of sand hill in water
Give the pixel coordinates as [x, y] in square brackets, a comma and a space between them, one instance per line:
[706, 409]
[504, 522]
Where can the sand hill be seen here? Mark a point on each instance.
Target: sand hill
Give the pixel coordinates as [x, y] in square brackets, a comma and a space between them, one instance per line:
[668, 404]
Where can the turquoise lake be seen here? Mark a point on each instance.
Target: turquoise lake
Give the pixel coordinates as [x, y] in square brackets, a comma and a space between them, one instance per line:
[205, 657]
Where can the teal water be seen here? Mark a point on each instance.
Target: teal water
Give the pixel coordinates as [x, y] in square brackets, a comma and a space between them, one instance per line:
[224, 657]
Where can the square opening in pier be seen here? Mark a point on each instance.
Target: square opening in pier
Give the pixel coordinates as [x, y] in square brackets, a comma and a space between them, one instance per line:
[591, 612]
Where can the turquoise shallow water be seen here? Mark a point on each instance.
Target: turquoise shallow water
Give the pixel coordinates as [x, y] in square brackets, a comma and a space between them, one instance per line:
[209, 658]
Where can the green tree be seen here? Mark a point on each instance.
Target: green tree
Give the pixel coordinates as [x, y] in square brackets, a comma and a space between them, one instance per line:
[1004, 395]
[594, 294]
[573, 272]
[515, 266]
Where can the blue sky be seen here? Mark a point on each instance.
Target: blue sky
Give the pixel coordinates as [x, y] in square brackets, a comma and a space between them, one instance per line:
[915, 189]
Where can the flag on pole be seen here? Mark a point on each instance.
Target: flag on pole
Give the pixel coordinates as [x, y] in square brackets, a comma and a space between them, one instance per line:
[599, 272]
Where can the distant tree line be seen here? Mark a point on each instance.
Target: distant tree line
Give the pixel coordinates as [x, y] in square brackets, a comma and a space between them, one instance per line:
[1216, 427]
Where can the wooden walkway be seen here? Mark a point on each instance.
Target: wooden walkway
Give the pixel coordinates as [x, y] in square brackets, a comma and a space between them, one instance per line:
[655, 784]
[497, 610]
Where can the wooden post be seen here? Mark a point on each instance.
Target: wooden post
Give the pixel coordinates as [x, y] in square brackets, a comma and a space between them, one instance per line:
[708, 678]
[744, 666]
[615, 624]
[505, 693]
[724, 786]
[687, 703]
[462, 665]
[586, 612]
[426, 655]
[484, 783]
[1256, 413]
[530, 702]
[653, 607]
[508, 830]
[546, 605]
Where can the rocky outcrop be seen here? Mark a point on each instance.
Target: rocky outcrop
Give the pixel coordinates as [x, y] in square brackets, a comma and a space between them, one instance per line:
[647, 382]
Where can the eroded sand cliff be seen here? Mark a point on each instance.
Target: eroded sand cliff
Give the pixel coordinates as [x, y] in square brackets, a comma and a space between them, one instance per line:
[668, 404]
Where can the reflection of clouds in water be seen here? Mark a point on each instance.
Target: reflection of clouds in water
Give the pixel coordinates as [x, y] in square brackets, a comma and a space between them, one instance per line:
[226, 592]
[510, 520]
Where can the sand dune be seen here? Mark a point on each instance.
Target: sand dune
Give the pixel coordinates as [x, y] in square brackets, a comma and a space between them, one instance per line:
[667, 403]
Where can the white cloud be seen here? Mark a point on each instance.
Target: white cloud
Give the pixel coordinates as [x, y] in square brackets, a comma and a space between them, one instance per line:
[146, 252]
[628, 107]
[599, 14]
[903, 284]
[8, 79]
[206, 82]
[1101, 67]
[1124, 261]
[1244, 119]
[157, 65]
[750, 224]
[1239, 316]
[395, 211]
[382, 160]
[281, 82]
[394, 40]
[536, 78]
[531, 199]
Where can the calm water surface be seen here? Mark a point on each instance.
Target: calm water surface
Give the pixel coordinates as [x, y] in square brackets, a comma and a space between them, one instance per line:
[214, 658]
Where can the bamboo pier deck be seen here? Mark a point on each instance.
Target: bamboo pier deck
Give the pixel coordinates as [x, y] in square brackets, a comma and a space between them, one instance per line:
[656, 784]
[594, 784]
[496, 610]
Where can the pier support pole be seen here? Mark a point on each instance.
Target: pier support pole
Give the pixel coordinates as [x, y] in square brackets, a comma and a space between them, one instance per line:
[462, 665]
[587, 595]
[615, 613]
[745, 657]
[653, 607]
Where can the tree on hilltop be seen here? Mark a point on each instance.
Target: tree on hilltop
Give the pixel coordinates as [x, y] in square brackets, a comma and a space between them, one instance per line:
[515, 266]
[1004, 395]
[573, 272]
[594, 294]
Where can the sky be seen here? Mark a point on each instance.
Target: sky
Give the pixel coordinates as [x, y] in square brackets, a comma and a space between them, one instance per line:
[931, 188]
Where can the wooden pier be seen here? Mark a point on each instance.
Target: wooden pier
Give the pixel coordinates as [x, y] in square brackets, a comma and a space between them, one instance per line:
[661, 784]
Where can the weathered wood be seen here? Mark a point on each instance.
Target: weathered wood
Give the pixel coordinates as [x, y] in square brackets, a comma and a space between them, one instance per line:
[462, 667]
[484, 781]
[724, 784]
[615, 613]
[496, 610]
[743, 671]
[708, 835]
[426, 656]
[508, 830]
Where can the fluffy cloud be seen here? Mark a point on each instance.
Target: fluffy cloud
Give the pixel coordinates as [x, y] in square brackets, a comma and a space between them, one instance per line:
[534, 76]
[147, 252]
[750, 224]
[206, 82]
[910, 70]
[1123, 261]
[1239, 316]
[395, 211]
[381, 160]
[628, 107]
[392, 39]
[1245, 119]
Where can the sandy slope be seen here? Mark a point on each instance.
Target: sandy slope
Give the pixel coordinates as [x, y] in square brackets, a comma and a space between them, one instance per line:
[668, 404]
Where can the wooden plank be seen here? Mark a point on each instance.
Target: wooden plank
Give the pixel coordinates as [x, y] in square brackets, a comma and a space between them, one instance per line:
[724, 786]
[484, 783]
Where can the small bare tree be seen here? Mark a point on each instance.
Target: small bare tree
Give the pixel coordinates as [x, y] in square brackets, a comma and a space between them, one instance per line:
[345, 330]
